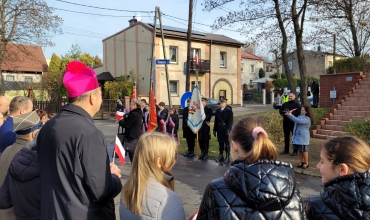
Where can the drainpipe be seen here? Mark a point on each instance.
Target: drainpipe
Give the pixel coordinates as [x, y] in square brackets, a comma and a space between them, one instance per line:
[210, 67]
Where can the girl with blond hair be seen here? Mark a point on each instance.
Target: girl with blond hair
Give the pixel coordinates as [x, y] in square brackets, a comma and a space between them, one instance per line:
[344, 167]
[256, 186]
[149, 190]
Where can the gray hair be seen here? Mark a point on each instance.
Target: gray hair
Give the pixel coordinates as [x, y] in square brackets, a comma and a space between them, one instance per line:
[33, 143]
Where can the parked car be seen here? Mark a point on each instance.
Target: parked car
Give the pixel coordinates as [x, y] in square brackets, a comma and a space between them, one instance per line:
[211, 103]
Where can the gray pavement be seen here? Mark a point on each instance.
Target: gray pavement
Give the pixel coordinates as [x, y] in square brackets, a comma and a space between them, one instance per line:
[192, 176]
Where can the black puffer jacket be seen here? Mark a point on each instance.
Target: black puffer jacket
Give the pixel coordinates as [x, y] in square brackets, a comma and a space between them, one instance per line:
[345, 197]
[21, 187]
[263, 190]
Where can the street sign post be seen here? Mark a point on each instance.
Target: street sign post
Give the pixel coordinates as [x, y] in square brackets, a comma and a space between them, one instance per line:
[162, 61]
[185, 68]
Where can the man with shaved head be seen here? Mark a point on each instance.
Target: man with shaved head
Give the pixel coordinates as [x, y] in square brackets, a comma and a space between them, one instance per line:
[4, 107]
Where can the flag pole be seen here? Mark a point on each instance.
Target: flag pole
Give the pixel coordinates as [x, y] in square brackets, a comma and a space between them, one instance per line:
[197, 147]
[114, 154]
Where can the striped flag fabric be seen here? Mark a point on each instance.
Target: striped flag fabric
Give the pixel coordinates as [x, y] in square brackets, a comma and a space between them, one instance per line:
[119, 150]
[119, 115]
[196, 110]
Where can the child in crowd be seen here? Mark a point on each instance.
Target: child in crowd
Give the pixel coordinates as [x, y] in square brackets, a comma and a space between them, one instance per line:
[256, 186]
[173, 124]
[344, 168]
[149, 190]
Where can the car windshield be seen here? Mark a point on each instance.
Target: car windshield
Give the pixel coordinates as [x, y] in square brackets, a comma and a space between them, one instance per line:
[212, 102]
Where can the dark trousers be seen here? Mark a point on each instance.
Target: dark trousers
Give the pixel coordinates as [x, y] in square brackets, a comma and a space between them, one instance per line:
[315, 100]
[288, 129]
[222, 146]
[191, 144]
[204, 145]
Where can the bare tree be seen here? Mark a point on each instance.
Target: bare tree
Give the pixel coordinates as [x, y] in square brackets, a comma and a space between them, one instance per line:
[29, 22]
[249, 47]
[348, 19]
[265, 17]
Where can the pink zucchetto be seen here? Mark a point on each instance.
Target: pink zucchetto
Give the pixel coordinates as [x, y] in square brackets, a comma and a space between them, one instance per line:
[79, 79]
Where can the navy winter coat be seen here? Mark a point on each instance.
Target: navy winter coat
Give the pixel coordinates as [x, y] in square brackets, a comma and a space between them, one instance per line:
[21, 187]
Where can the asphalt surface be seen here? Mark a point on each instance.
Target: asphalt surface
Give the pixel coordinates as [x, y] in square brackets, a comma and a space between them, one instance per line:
[192, 175]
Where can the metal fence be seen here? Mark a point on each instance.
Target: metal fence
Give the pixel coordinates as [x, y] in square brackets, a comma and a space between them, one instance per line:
[108, 106]
[255, 96]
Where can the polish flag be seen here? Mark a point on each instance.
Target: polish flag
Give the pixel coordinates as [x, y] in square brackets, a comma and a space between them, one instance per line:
[119, 150]
[119, 115]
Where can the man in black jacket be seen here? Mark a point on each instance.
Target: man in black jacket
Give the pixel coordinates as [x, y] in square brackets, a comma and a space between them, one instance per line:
[187, 132]
[204, 133]
[288, 124]
[132, 125]
[315, 92]
[222, 128]
[77, 179]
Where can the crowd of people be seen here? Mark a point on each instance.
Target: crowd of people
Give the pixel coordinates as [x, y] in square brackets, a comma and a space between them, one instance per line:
[59, 168]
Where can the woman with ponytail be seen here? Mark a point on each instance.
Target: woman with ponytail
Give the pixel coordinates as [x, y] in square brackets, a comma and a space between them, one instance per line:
[256, 186]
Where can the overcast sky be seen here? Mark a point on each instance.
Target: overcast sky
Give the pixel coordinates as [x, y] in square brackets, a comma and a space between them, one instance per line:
[88, 31]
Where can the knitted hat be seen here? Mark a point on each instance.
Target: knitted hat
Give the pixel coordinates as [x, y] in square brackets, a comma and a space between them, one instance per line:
[79, 79]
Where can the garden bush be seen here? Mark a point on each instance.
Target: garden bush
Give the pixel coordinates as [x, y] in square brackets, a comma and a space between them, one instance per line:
[360, 129]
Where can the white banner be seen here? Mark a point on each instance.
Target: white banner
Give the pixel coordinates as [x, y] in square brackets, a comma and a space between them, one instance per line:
[196, 110]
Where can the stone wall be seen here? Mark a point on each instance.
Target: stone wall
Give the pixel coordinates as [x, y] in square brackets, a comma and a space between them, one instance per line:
[343, 83]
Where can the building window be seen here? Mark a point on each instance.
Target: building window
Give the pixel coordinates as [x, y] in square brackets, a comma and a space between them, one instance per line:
[330, 63]
[194, 52]
[252, 68]
[242, 64]
[28, 79]
[9, 78]
[290, 64]
[173, 54]
[222, 59]
[174, 88]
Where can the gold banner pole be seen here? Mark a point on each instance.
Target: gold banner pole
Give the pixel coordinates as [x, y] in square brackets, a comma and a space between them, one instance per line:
[197, 147]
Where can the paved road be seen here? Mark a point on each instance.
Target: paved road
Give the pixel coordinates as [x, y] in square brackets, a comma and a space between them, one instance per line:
[192, 176]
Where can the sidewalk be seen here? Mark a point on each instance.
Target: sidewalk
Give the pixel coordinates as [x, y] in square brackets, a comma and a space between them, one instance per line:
[313, 157]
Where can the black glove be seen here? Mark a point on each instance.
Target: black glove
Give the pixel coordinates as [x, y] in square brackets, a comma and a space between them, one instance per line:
[214, 133]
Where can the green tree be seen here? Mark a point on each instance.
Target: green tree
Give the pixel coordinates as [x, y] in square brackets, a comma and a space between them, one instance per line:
[97, 61]
[55, 62]
[261, 73]
[87, 59]
[74, 53]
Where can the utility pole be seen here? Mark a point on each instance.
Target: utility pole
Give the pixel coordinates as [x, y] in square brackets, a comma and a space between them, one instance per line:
[152, 65]
[165, 57]
[335, 39]
[190, 27]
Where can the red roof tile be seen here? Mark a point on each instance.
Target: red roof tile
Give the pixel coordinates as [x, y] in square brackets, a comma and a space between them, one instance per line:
[247, 55]
[24, 58]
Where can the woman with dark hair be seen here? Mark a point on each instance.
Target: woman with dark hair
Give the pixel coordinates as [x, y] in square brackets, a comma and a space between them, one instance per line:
[301, 133]
[256, 186]
[344, 168]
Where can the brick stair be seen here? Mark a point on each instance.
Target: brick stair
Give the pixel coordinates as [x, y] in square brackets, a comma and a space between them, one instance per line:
[354, 106]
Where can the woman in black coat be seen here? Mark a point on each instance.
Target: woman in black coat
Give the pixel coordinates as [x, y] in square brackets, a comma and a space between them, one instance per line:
[21, 187]
[344, 168]
[256, 186]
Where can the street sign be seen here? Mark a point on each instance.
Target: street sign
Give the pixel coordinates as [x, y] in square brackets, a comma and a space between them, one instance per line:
[162, 61]
[184, 97]
[185, 68]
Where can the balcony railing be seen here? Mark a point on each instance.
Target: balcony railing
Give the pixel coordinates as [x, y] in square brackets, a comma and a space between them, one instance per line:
[204, 66]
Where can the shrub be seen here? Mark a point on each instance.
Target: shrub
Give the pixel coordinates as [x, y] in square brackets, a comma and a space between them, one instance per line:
[360, 129]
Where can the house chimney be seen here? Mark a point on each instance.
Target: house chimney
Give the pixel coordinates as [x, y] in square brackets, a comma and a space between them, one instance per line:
[319, 48]
[133, 21]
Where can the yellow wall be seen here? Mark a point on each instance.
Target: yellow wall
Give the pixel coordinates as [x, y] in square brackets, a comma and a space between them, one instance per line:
[38, 94]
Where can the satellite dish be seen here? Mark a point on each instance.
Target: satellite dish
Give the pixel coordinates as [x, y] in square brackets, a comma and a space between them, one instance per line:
[138, 17]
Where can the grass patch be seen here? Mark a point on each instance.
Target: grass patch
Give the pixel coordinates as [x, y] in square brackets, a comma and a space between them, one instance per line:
[274, 127]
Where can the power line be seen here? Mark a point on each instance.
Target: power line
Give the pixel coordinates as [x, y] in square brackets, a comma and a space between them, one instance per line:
[85, 31]
[110, 9]
[86, 13]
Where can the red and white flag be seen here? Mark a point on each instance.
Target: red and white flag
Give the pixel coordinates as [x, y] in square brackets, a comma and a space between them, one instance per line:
[119, 115]
[119, 150]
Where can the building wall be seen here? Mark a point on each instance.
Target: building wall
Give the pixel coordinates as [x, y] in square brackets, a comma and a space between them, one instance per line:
[343, 83]
[247, 75]
[20, 77]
